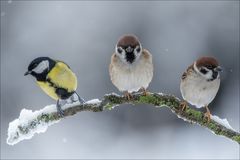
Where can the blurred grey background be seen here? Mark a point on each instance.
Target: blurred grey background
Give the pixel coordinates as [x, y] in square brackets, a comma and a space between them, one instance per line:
[84, 34]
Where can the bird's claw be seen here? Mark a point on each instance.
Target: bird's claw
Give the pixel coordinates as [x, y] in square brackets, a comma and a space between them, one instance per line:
[59, 109]
[60, 112]
[183, 105]
[128, 95]
[207, 115]
[145, 92]
[80, 99]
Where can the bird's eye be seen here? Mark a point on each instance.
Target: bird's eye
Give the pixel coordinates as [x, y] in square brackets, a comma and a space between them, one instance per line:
[119, 50]
[34, 65]
[138, 49]
[209, 66]
[203, 71]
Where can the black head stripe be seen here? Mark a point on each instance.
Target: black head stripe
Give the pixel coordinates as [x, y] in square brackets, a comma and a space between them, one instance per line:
[41, 76]
[38, 60]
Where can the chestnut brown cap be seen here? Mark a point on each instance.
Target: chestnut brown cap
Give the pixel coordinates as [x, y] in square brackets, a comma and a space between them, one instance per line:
[207, 62]
[128, 40]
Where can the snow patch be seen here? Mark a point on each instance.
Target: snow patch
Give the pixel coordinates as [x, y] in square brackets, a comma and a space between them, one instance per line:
[29, 122]
[93, 101]
[223, 122]
[69, 105]
[112, 94]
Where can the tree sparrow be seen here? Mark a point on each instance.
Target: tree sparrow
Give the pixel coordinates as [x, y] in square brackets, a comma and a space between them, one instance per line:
[200, 83]
[131, 67]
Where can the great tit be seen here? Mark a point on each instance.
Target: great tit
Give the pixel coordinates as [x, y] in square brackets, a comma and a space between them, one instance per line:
[56, 79]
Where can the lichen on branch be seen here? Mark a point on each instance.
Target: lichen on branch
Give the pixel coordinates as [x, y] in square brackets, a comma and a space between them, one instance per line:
[30, 122]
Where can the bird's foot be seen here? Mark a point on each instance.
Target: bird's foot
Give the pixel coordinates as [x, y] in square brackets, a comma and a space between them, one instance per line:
[145, 92]
[183, 105]
[128, 95]
[80, 99]
[59, 110]
[207, 115]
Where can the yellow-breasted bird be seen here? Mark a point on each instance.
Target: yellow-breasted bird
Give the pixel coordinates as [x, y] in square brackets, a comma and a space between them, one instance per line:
[56, 79]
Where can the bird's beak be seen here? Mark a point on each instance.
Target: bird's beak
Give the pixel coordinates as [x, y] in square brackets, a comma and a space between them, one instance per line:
[27, 73]
[129, 49]
[219, 69]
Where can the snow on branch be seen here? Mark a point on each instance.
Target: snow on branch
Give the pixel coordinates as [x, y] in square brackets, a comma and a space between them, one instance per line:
[30, 122]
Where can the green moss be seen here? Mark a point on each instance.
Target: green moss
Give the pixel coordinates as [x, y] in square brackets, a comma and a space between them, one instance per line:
[23, 130]
[149, 99]
[236, 138]
[212, 126]
[47, 117]
[194, 114]
[169, 103]
[114, 99]
[157, 101]
[108, 106]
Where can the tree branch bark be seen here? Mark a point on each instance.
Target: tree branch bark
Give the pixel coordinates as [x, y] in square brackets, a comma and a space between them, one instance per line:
[112, 100]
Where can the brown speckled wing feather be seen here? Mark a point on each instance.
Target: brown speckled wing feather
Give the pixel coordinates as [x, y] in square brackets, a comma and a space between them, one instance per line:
[113, 60]
[146, 54]
[189, 69]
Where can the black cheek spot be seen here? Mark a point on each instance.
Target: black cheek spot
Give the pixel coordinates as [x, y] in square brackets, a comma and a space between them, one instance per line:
[214, 75]
[138, 49]
[119, 50]
[203, 71]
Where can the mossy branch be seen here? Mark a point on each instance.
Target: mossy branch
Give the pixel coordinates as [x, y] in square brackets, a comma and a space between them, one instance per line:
[109, 102]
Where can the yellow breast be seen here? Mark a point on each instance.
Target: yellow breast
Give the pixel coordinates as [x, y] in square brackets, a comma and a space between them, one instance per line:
[62, 77]
[49, 90]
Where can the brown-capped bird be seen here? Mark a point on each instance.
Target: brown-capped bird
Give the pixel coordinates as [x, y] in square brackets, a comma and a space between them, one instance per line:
[200, 83]
[131, 67]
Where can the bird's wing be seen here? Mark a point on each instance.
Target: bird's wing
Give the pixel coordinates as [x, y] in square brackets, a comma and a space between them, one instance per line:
[57, 61]
[147, 55]
[189, 69]
[62, 77]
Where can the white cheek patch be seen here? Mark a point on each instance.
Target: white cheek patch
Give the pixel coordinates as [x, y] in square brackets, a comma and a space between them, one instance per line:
[137, 54]
[41, 67]
[120, 55]
[208, 75]
[116, 49]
